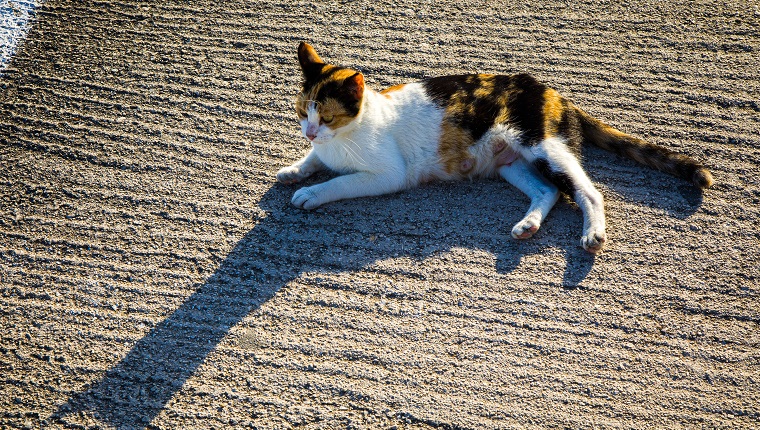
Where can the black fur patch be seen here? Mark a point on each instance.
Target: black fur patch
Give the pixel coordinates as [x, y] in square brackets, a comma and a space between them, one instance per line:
[561, 179]
[523, 95]
[336, 90]
[526, 107]
[570, 128]
[318, 73]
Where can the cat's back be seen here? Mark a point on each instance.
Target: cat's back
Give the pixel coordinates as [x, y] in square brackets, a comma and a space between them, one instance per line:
[475, 103]
[478, 102]
[408, 98]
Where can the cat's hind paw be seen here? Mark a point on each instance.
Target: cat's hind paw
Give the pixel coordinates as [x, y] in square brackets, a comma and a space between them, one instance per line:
[305, 198]
[593, 241]
[290, 175]
[525, 229]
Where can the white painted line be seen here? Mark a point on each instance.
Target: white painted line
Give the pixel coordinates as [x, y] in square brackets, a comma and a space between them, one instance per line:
[15, 18]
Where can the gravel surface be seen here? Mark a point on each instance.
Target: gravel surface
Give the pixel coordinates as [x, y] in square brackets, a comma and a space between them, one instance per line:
[153, 274]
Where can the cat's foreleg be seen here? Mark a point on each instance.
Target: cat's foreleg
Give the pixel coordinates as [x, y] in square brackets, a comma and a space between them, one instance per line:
[361, 184]
[543, 195]
[555, 161]
[305, 167]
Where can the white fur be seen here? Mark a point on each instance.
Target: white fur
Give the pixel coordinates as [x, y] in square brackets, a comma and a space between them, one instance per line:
[543, 195]
[312, 125]
[482, 150]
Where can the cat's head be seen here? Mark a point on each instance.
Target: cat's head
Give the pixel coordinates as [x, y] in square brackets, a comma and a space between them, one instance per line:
[331, 98]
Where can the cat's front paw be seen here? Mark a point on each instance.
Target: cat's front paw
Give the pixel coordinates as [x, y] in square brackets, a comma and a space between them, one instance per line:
[593, 240]
[290, 175]
[306, 198]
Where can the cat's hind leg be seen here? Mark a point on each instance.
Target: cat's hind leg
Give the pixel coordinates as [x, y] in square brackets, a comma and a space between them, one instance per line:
[543, 195]
[557, 163]
[302, 169]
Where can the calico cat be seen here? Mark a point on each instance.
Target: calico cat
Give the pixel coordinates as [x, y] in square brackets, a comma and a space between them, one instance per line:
[455, 127]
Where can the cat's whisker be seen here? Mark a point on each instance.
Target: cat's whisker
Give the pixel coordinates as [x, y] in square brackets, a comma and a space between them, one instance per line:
[359, 159]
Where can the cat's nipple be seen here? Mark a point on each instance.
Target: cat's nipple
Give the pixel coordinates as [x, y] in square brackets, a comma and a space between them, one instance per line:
[499, 146]
[466, 165]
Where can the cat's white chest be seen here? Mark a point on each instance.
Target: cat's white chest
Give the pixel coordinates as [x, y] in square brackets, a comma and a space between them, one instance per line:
[342, 155]
[396, 136]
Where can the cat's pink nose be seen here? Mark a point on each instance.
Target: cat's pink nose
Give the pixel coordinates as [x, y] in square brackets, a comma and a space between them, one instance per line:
[311, 136]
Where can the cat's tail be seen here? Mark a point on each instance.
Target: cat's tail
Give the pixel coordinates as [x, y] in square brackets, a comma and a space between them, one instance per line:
[648, 154]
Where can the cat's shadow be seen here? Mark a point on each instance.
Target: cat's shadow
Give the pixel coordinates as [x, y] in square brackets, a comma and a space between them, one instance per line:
[340, 237]
[642, 185]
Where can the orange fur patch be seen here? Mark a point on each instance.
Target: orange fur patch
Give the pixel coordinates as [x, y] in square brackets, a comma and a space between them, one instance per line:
[503, 115]
[334, 108]
[452, 149]
[392, 89]
[342, 74]
[553, 111]
[487, 86]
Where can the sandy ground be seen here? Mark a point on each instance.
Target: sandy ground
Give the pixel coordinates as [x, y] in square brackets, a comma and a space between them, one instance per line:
[152, 274]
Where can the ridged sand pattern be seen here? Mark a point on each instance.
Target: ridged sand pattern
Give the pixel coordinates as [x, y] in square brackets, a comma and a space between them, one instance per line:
[152, 274]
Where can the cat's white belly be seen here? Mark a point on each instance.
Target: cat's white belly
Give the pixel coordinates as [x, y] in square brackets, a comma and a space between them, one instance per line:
[499, 146]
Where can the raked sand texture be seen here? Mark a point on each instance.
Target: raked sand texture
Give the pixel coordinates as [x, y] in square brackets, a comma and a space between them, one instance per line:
[152, 274]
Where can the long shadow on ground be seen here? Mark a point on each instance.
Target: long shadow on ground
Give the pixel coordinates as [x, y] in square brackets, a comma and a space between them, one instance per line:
[289, 242]
[283, 245]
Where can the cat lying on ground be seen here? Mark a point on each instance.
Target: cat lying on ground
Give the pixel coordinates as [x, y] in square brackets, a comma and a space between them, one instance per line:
[455, 127]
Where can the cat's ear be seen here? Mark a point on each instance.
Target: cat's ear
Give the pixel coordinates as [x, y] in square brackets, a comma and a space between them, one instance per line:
[308, 57]
[354, 85]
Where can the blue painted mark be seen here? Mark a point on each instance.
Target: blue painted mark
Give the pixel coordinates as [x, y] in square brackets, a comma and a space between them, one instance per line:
[16, 16]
